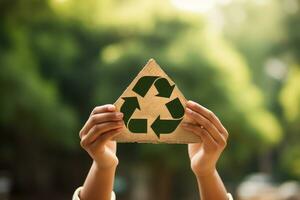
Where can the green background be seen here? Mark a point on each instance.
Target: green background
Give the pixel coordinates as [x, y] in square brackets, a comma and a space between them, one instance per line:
[61, 58]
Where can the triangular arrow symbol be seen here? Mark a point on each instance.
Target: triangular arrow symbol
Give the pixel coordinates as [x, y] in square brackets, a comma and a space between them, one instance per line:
[153, 108]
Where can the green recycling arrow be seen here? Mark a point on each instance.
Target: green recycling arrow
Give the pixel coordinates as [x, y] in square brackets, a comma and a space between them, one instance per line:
[165, 90]
[169, 125]
[144, 84]
[164, 125]
[175, 108]
[138, 125]
[162, 85]
[128, 107]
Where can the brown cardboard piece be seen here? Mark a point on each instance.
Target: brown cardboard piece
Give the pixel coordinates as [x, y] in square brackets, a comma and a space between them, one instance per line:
[150, 110]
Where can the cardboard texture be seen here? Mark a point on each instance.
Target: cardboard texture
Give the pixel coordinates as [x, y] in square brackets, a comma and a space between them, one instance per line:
[153, 109]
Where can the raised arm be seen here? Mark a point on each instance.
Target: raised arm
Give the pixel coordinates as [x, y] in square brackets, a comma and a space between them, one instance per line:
[205, 155]
[103, 124]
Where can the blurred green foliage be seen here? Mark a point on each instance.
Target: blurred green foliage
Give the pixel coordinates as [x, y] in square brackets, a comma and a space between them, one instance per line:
[61, 58]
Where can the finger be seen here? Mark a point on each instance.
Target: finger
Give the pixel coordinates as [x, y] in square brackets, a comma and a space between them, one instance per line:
[105, 139]
[99, 118]
[103, 108]
[209, 115]
[98, 109]
[99, 129]
[213, 131]
[207, 139]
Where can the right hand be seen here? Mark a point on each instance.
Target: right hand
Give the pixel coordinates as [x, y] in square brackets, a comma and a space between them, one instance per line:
[103, 124]
[208, 127]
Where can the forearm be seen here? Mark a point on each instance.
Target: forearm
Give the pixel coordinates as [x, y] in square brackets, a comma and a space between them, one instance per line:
[211, 187]
[98, 184]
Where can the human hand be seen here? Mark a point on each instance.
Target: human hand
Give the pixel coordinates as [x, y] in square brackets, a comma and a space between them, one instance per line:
[103, 124]
[208, 127]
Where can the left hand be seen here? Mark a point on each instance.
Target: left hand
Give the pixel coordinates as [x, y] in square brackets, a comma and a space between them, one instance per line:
[103, 124]
[208, 127]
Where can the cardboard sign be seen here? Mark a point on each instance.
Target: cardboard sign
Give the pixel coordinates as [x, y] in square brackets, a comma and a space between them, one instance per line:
[153, 109]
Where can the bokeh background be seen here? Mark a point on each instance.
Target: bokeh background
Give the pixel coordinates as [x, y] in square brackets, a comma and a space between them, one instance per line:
[61, 58]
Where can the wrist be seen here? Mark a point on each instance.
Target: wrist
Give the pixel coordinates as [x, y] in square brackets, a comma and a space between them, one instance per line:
[100, 167]
[206, 174]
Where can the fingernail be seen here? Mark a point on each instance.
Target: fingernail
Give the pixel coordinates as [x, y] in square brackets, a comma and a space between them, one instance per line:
[111, 107]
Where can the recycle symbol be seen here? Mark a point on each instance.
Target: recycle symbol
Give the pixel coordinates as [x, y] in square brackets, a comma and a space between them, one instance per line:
[159, 125]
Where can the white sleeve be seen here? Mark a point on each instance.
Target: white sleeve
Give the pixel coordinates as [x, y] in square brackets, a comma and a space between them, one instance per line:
[229, 196]
[77, 191]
